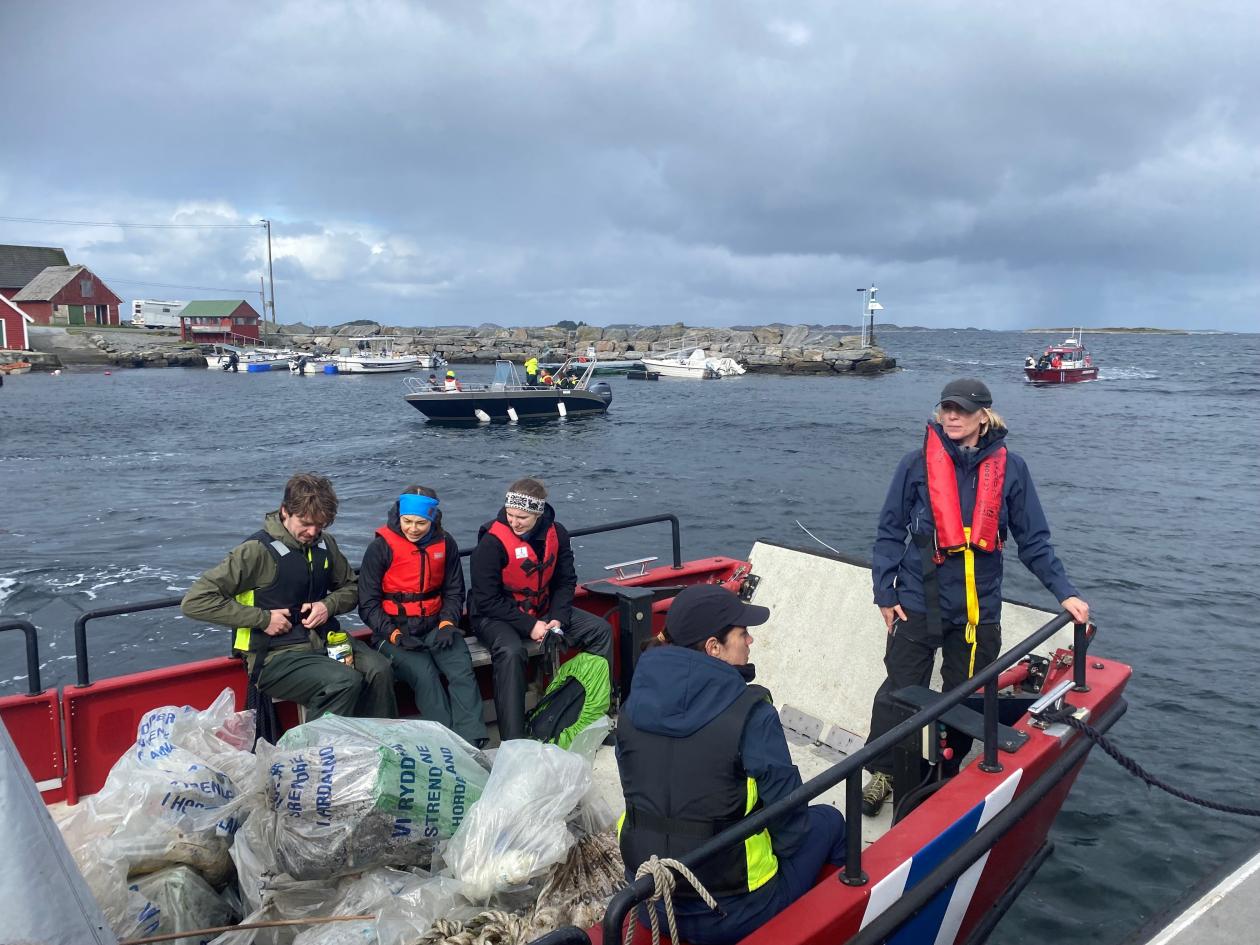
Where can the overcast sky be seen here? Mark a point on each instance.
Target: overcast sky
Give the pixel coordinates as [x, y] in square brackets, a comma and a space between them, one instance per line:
[986, 163]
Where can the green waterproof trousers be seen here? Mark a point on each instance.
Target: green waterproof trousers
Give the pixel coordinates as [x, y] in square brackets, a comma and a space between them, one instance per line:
[325, 685]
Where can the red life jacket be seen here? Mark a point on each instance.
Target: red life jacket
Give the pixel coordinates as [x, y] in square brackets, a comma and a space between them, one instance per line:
[412, 586]
[942, 484]
[528, 581]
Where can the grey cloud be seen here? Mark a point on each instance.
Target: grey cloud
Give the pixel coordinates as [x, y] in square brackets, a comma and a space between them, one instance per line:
[654, 161]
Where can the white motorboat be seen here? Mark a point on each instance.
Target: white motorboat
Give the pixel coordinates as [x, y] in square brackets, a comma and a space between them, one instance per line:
[374, 356]
[693, 364]
[224, 357]
[431, 362]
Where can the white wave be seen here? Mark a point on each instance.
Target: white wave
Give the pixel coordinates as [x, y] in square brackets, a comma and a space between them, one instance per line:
[1126, 374]
[7, 589]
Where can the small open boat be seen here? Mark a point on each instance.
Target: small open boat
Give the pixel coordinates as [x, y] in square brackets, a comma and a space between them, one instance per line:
[508, 399]
[942, 866]
[15, 367]
[1065, 363]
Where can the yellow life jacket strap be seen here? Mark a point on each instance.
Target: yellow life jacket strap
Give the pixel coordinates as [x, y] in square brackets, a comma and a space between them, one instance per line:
[973, 600]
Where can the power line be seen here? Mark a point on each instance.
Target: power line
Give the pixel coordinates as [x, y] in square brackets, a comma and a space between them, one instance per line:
[144, 226]
[168, 285]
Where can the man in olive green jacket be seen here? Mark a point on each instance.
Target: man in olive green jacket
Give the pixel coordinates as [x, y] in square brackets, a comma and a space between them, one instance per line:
[280, 591]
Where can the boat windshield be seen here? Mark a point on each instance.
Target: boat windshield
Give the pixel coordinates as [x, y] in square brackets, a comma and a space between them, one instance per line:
[505, 376]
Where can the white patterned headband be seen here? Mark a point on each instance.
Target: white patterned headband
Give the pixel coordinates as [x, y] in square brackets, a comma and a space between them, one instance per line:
[526, 503]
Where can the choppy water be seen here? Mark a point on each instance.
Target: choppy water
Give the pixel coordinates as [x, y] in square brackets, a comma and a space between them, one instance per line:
[124, 487]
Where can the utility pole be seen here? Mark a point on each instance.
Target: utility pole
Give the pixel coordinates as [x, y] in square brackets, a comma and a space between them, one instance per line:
[271, 276]
[262, 297]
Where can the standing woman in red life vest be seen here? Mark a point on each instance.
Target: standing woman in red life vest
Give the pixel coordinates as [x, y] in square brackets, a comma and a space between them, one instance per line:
[411, 595]
[523, 580]
[955, 499]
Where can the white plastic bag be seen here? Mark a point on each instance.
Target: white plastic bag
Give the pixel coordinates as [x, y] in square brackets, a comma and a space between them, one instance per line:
[517, 830]
[174, 797]
[348, 795]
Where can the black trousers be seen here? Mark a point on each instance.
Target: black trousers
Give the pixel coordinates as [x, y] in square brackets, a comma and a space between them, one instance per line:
[908, 659]
[508, 657]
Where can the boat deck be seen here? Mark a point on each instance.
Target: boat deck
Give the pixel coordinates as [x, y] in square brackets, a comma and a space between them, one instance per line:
[1229, 912]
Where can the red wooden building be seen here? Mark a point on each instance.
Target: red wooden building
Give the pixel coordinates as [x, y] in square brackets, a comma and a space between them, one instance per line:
[13, 322]
[219, 321]
[68, 295]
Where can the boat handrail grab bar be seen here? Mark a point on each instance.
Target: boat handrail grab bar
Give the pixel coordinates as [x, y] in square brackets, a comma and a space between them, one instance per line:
[850, 770]
[33, 684]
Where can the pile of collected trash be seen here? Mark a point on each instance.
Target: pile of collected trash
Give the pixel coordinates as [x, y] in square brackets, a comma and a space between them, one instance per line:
[347, 831]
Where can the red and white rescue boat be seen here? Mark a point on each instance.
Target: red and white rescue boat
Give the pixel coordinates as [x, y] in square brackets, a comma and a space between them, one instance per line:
[1065, 363]
[943, 868]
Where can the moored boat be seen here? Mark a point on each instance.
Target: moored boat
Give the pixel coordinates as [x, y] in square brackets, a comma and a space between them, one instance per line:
[508, 399]
[1065, 363]
[942, 867]
[15, 367]
[693, 364]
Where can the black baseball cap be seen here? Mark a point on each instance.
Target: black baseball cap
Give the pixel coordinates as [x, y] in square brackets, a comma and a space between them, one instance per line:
[968, 393]
[705, 610]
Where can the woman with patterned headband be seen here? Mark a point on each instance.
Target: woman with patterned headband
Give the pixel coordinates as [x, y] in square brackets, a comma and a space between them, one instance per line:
[523, 580]
[411, 594]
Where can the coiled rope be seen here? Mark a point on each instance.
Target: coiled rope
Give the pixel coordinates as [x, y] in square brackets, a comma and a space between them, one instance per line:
[1098, 738]
[663, 892]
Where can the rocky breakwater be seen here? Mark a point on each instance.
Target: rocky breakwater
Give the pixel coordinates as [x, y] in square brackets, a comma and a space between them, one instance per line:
[796, 349]
[125, 349]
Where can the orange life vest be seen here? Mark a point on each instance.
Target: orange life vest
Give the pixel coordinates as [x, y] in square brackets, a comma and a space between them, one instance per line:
[942, 482]
[524, 577]
[412, 586]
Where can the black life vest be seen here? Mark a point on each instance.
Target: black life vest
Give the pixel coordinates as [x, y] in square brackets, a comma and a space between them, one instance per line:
[301, 578]
[942, 483]
[412, 585]
[524, 577]
[681, 792]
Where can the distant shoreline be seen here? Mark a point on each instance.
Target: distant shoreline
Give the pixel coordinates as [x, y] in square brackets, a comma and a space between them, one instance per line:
[1107, 331]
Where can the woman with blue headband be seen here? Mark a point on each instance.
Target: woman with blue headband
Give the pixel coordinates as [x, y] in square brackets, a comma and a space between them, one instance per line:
[411, 594]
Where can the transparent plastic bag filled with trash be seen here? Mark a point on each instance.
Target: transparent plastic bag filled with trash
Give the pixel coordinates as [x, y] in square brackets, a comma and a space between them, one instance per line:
[176, 797]
[348, 794]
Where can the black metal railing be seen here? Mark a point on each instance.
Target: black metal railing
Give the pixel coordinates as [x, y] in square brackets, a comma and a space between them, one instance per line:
[80, 629]
[850, 771]
[33, 684]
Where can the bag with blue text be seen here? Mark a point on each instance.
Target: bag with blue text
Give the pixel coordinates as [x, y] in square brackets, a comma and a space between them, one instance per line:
[578, 696]
[350, 794]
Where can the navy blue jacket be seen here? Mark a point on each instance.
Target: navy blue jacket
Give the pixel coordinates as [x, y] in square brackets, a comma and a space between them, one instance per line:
[897, 568]
[677, 691]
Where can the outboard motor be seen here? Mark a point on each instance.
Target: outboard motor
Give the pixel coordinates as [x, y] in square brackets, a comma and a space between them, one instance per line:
[603, 391]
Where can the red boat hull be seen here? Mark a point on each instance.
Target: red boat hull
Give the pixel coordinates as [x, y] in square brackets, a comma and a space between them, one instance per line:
[1061, 375]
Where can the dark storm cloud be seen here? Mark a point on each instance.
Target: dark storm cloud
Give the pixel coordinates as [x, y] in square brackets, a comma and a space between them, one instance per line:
[717, 163]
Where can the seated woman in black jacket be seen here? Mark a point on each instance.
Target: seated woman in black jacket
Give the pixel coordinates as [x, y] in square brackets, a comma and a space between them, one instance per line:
[411, 594]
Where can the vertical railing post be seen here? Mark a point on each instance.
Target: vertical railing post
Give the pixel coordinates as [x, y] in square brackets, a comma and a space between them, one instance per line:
[1080, 651]
[852, 874]
[990, 764]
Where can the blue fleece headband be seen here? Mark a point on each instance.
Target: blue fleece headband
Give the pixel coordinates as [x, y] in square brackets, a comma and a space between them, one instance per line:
[412, 504]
